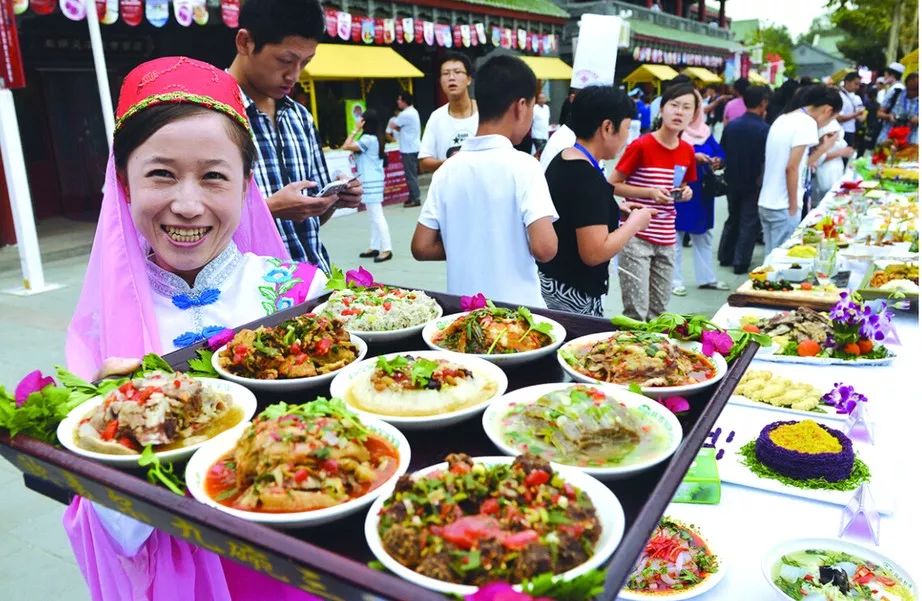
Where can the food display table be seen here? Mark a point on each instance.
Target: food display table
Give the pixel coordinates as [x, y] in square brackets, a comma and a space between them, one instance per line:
[329, 560]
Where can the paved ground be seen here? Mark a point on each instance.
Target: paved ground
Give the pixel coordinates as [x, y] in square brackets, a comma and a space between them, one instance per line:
[35, 558]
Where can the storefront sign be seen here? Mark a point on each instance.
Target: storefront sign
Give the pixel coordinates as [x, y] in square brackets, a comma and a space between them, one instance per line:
[12, 75]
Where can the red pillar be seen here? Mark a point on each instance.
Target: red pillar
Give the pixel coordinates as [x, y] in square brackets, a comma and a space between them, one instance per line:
[701, 10]
[677, 8]
[723, 13]
[649, 3]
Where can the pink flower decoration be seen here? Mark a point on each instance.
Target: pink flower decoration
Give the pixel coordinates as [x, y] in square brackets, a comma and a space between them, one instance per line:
[220, 339]
[33, 382]
[360, 277]
[470, 303]
[501, 591]
[716, 340]
[676, 404]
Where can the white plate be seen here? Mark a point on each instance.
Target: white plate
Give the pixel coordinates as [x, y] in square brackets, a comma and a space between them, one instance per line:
[240, 397]
[656, 392]
[206, 457]
[347, 376]
[494, 414]
[828, 412]
[385, 335]
[608, 509]
[831, 544]
[558, 334]
[746, 423]
[288, 384]
[703, 587]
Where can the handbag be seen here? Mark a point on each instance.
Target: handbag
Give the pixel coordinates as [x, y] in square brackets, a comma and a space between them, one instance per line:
[713, 183]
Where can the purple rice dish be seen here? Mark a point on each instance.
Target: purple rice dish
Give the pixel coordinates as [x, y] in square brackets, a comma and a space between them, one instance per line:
[832, 467]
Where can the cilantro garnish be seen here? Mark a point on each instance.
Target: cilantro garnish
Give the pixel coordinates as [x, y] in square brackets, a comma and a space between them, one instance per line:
[543, 327]
[201, 367]
[422, 370]
[390, 366]
[161, 474]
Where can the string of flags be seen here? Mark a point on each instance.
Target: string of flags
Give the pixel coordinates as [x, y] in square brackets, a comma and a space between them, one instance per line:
[135, 12]
[647, 54]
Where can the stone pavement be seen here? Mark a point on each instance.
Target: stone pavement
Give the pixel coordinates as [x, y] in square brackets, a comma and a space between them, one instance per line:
[35, 557]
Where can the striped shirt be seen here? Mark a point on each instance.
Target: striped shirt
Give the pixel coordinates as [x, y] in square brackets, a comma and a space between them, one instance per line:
[290, 151]
[649, 164]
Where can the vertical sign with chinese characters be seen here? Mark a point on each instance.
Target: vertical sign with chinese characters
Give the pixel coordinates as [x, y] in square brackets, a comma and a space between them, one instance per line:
[12, 75]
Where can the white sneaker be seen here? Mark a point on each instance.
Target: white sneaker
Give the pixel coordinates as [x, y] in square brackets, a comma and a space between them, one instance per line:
[680, 291]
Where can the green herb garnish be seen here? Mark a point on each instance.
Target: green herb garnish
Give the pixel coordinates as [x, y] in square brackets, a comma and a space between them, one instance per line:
[390, 366]
[201, 367]
[158, 473]
[422, 370]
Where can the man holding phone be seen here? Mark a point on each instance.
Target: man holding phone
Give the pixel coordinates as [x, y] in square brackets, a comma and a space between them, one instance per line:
[276, 40]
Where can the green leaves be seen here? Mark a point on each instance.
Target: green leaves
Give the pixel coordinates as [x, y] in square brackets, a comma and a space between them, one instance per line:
[153, 362]
[162, 474]
[422, 370]
[201, 367]
[543, 327]
[337, 279]
[390, 366]
[586, 586]
[320, 407]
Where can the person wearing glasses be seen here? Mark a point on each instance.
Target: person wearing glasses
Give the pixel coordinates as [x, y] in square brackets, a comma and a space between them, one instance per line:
[450, 124]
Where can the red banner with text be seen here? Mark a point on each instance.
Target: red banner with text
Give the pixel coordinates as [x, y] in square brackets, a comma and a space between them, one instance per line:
[12, 74]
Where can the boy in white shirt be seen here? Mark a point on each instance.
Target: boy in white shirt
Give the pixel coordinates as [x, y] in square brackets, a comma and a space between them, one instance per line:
[786, 157]
[450, 124]
[489, 213]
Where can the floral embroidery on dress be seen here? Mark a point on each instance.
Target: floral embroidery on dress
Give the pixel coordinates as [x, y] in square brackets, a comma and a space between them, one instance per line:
[190, 338]
[286, 285]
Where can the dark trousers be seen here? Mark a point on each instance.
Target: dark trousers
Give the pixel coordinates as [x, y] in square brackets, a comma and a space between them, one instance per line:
[410, 162]
[851, 138]
[741, 229]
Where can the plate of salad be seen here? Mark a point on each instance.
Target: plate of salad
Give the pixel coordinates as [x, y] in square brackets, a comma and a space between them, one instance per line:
[500, 335]
[381, 313]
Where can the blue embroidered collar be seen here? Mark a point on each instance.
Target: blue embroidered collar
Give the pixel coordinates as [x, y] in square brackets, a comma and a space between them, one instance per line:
[208, 282]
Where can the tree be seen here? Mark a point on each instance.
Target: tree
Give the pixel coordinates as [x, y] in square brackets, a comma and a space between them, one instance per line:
[776, 39]
[866, 24]
[820, 26]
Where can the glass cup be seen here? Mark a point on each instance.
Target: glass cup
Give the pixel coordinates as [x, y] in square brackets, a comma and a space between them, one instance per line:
[824, 268]
[827, 248]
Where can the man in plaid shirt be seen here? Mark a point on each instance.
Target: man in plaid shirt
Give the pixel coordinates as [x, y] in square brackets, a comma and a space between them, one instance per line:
[276, 40]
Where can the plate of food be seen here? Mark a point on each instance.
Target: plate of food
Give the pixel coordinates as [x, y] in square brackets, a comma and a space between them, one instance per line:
[298, 353]
[886, 278]
[172, 412]
[603, 430]
[520, 518]
[677, 563]
[766, 389]
[381, 313]
[420, 389]
[660, 365]
[299, 465]
[499, 335]
[817, 568]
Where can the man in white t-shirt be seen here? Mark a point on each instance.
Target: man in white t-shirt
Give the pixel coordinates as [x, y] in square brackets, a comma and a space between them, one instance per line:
[540, 124]
[853, 111]
[560, 139]
[406, 124]
[450, 124]
[786, 174]
[893, 76]
[489, 212]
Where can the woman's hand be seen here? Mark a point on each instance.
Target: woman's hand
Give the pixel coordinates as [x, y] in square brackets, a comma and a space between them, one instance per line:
[702, 158]
[641, 217]
[686, 193]
[117, 366]
[659, 195]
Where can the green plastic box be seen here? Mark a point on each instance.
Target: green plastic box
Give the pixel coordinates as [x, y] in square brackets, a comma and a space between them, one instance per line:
[701, 483]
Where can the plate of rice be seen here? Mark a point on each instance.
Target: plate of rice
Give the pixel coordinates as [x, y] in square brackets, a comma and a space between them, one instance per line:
[382, 313]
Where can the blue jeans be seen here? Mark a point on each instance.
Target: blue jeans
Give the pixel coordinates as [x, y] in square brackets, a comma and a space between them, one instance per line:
[777, 226]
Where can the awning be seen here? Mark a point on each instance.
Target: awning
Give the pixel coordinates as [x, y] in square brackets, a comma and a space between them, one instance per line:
[345, 61]
[911, 61]
[650, 73]
[701, 74]
[548, 67]
[757, 79]
[666, 35]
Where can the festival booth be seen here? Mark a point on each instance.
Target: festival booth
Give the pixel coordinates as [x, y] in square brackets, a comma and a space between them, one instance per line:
[548, 67]
[911, 61]
[701, 75]
[756, 79]
[655, 74]
[366, 64]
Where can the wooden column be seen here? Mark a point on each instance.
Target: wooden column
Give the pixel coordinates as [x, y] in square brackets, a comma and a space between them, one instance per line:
[649, 3]
[701, 10]
[723, 13]
[677, 8]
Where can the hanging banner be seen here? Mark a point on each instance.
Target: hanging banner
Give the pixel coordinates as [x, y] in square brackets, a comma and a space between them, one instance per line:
[182, 12]
[368, 30]
[356, 30]
[399, 32]
[481, 33]
[199, 12]
[466, 36]
[455, 35]
[75, 10]
[521, 39]
[157, 12]
[100, 9]
[390, 33]
[496, 36]
[12, 74]
[230, 13]
[535, 43]
[110, 12]
[20, 6]
[508, 38]
[595, 57]
[43, 7]
[132, 12]
[379, 31]
[330, 19]
[429, 33]
[409, 29]
[343, 25]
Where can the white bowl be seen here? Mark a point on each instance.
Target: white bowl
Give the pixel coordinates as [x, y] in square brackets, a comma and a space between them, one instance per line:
[794, 274]
[385, 335]
[831, 544]
[239, 395]
[209, 454]
[608, 509]
[702, 587]
[558, 334]
[492, 424]
[656, 392]
[348, 375]
[287, 384]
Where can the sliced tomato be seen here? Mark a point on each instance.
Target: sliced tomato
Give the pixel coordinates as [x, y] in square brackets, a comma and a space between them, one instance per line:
[466, 531]
[108, 433]
[323, 346]
[537, 478]
[489, 507]
[520, 540]
[300, 475]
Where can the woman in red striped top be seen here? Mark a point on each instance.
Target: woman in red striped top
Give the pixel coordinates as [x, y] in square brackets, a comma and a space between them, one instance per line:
[644, 175]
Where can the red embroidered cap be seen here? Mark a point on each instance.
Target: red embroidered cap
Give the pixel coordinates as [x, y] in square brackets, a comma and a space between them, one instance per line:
[179, 79]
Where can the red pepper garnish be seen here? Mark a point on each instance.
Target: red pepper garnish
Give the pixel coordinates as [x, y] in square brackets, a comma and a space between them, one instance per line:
[387, 305]
[323, 346]
[300, 475]
[537, 478]
[108, 433]
[489, 507]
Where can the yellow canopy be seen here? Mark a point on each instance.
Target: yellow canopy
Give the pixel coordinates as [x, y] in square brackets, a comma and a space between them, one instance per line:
[757, 79]
[342, 61]
[650, 74]
[701, 74]
[840, 75]
[548, 67]
[911, 61]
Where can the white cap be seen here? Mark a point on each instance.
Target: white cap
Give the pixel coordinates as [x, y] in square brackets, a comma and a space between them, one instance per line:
[898, 67]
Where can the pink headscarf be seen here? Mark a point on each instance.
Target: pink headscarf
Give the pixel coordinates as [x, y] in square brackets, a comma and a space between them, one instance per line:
[697, 131]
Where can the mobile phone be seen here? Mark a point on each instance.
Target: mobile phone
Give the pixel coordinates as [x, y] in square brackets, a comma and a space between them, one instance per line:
[335, 187]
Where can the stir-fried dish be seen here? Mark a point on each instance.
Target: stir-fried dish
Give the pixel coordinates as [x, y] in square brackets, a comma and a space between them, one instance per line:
[308, 345]
[167, 411]
[301, 458]
[473, 524]
[675, 559]
[837, 576]
[494, 331]
[381, 308]
[639, 358]
[583, 426]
